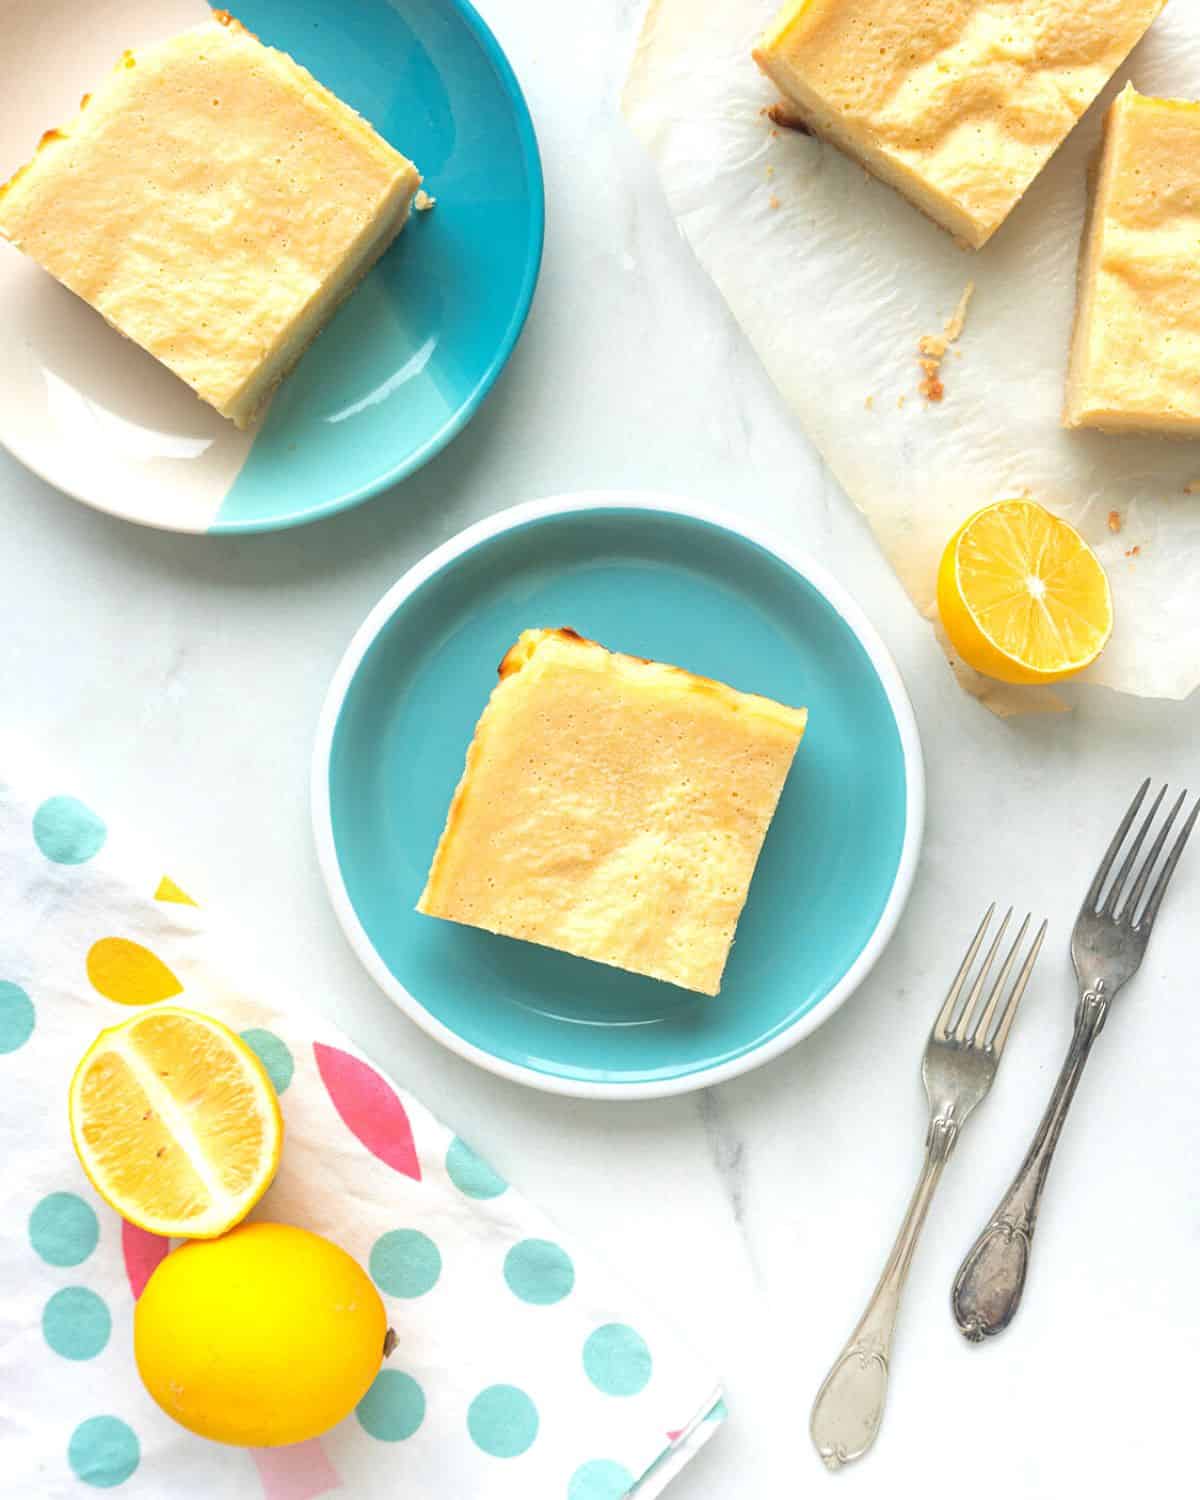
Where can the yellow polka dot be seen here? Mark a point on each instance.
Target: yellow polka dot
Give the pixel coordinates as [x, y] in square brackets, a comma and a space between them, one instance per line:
[126, 972]
[169, 891]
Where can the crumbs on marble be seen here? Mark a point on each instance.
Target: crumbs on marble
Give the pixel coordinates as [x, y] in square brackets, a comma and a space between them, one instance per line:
[932, 347]
[423, 201]
[1114, 521]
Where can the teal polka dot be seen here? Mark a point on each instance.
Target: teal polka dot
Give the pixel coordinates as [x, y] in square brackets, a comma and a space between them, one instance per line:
[502, 1421]
[539, 1271]
[63, 1229]
[617, 1361]
[273, 1054]
[16, 1016]
[76, 1323]
[67, 832]
[104, 1452]
[405, 1263]
[471, 1176]
[393, 1408]
[600, 1480]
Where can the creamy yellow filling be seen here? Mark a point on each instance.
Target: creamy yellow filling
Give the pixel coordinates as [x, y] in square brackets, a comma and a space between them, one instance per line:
[613, 808]
[214, 202]
[1135, 361]
[959, 104]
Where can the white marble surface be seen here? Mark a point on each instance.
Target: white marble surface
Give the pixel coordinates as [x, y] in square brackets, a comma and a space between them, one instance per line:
[188, 673]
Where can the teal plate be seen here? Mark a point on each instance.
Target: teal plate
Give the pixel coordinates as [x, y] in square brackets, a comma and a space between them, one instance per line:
[656, 578]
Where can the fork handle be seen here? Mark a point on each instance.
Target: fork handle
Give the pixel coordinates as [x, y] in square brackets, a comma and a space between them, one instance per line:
[991, 1280]
[847, 1413]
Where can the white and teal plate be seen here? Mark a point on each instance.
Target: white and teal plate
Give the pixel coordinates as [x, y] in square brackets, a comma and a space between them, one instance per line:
[402, 366]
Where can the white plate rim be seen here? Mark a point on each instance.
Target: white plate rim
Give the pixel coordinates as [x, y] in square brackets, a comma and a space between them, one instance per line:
[814, 574]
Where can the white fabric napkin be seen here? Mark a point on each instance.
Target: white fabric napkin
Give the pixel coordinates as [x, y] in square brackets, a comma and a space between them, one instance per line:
[522, 1367]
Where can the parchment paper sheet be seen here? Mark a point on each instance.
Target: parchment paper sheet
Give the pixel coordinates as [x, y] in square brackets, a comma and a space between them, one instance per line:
[835, 278]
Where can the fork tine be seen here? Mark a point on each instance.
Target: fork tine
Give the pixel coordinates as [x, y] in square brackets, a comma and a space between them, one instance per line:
[1129, 909]
[1146, 921]
[979, 1035]
[1127, 864]
[1093, 895]
[969, 1009]
[1018, 989]
[942, 1024]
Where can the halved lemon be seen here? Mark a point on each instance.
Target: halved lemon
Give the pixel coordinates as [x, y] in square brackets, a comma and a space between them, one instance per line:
[1022, 596]
[176, 1123]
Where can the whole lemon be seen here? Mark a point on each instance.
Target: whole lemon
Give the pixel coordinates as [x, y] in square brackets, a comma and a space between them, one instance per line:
[267, 1335]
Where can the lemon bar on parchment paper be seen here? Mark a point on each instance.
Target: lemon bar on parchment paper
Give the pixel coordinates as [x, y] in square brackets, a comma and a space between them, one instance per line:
[958, 104]
[1135, 362]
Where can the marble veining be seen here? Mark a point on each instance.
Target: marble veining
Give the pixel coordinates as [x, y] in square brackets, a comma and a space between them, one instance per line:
[727, 1149]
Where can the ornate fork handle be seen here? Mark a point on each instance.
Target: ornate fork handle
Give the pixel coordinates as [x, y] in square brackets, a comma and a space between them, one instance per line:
[991, 1280]
[849, 1405]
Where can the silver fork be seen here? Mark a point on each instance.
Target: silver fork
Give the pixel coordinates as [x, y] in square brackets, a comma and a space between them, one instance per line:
[958, 1068]
[1107, 948]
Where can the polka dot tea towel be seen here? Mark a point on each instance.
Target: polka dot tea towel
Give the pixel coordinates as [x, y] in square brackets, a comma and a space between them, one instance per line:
[523, 1369]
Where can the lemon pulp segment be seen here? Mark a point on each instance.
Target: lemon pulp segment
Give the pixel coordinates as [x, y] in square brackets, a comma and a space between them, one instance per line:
[1022, 596]
[175, 1122]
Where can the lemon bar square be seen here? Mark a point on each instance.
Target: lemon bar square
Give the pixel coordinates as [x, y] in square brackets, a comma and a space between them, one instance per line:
[214, 203]
[1135, 360]
[613, 808]
[958, 104]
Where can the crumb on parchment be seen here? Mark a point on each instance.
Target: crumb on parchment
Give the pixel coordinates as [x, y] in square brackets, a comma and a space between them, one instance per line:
[773, 201]
[1133, 552]
[869, 403]
[958, 318]
[784, 115]
[1114, 521]
[932, 347]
